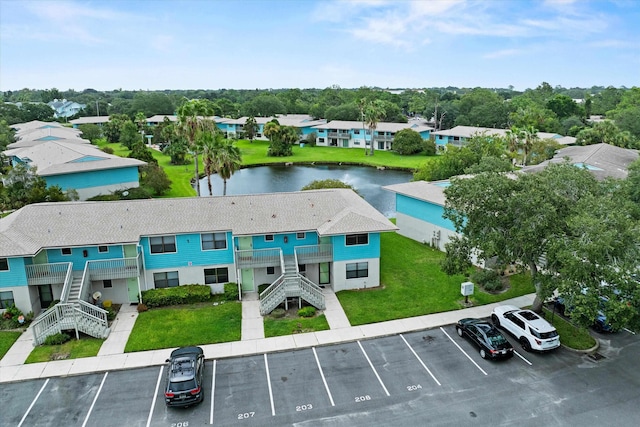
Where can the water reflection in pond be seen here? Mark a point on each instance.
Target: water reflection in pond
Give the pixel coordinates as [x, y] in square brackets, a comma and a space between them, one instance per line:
[274, 179]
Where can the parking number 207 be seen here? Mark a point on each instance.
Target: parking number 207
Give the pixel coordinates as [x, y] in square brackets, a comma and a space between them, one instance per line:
[246, 415]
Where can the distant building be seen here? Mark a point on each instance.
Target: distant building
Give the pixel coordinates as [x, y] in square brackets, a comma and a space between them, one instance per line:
[64, 108]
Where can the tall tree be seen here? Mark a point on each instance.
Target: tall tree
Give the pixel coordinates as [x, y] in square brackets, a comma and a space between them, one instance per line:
[529, 137]
[228, 160]
[193, 118]
[250, 128]
[373, 112]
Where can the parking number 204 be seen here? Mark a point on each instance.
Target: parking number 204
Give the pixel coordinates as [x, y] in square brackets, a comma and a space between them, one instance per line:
[414, 387]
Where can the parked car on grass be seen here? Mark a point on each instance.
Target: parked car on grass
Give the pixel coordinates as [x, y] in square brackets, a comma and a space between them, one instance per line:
[184, 377]
[490, 342]
[531, 330]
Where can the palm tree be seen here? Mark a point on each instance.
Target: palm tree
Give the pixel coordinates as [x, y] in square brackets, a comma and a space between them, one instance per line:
[251, 128]
[192, 120]
[209, 142]
[227, 160]
[512, 137]
[140, 120]
[362, 105]
[529, 136]
[374, 111]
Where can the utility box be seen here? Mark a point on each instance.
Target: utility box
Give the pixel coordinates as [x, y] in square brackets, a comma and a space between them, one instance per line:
[466, 288]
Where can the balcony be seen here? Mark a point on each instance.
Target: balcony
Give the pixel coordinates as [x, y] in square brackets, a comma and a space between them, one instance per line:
[110, 269]
[314, 254]
[47, 274]
[383, 138]
[343, 135]
[258, 258]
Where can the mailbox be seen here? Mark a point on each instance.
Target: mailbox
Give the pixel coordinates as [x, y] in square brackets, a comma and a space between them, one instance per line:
[466, 288]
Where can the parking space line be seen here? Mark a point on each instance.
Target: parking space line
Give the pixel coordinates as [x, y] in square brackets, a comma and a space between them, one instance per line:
[629, 330]
[523, 358]
[213, 390]
[35, 399]
[94, 400]
[374, 369]
[420, 360]
[326, 386]
[463, 352]
[266, 365]
[155, 396]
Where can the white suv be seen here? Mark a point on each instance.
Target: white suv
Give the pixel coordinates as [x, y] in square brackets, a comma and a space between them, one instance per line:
[532, 331]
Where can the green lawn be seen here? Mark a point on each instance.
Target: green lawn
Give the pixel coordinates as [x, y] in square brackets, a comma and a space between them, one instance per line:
[7, 338]
[180, 326]
[570, 335]
[278, 327]
[254, 154]
[74, 349]
[413, 285]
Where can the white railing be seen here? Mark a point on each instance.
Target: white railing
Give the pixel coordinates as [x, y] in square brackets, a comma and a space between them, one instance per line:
[248, 258]
[44, 274]
[85, 289]
[68, 280]
[314, 253]
[117, 268]
[93, 313]
[311, 293]
[81, 316]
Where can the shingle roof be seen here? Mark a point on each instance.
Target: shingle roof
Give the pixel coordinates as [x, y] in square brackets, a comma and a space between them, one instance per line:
[381, 127]
[68, 224]
[89, 120]
[602, 160]
[421, 190]
[35, 134]
[55, 158]
[469, 131]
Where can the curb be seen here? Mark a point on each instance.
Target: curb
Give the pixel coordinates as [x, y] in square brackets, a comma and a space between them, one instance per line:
[587, 351]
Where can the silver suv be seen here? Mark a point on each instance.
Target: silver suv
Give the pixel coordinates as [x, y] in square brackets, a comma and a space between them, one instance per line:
[531, 330]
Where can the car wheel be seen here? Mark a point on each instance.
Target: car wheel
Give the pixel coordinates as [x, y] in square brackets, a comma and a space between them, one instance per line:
[483, 354]
[495, 320]
[459, 330]
[526, 346]
[598, 327]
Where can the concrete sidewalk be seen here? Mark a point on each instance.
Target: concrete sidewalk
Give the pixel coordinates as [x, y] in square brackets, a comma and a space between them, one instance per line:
[112, 357]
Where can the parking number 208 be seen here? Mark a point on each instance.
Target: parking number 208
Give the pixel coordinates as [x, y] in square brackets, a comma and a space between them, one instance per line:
[180, 424]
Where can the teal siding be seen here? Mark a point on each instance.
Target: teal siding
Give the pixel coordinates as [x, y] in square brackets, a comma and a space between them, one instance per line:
[278, 242]
[425, 211]
[94, 178]
[15, 276]
[188, 253]
[342, 252]
[77, 255]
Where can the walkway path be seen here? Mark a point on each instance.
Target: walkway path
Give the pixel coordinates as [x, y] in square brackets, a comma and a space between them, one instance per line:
[111, 355]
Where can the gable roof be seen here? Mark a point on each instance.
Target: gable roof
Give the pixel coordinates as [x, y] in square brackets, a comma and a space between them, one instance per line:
[69, 224]
[602, 160]
[432, 192]
[382, 126]
[469, 131]
[90, 120]
[55, 158]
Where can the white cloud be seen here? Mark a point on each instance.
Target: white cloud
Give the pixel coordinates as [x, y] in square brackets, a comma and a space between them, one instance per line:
[502, 53]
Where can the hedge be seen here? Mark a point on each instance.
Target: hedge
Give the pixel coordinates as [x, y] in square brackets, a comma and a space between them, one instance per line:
[187, 294]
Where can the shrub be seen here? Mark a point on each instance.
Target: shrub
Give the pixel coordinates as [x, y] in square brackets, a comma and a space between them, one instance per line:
[111, 313]
[142, 308]
[187, 294]
[308, 311]
[231, 292]
[488, 279]
[107, 150]
[57, 339]
[12, 312]
[278, 313]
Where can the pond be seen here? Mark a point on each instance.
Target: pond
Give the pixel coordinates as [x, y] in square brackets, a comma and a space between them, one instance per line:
[274, 179]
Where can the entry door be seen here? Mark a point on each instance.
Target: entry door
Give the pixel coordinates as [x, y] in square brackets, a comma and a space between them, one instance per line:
[130, 251]
[46, 295]
[246, 274]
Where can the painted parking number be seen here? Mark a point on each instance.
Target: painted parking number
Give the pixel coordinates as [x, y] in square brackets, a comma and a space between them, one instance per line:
[246, 415]
[363, 398]
[302, 408]
[180, 424]
[414, 387]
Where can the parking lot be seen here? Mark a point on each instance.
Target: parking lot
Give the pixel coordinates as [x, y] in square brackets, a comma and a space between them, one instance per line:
[431, 374]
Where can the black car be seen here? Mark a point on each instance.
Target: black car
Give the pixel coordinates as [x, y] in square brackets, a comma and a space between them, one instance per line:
[184, 377]
[490, 341]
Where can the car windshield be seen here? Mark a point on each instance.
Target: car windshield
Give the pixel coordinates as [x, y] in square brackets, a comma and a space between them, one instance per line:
[544, 335]
[177, 386]
[496, 338]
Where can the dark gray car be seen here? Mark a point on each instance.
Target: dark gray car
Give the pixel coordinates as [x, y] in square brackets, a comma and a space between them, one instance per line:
[184, 377]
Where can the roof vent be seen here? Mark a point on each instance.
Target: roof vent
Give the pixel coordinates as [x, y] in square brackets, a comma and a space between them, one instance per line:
[273, 216]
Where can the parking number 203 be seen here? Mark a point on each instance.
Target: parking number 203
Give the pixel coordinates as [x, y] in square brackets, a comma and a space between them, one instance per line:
[306, 407]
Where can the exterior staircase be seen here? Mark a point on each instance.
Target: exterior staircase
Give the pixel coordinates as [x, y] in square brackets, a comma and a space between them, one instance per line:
[72, 313]
[291, 284]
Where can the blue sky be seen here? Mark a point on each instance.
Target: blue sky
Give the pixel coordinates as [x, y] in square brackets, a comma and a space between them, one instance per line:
[166, 44]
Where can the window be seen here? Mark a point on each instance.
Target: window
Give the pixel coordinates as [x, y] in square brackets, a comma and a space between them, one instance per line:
[213, 241]
[357, 239]
[268, 238]
[103, 249]
[356, 131]
[6, 299]
[357, 269]
[162, 244]
[321, 140]
[302, 268]
[4, 264]
[107, 284]
[356, 142]
[271, 270]
[456, 138]
[66, 251]
[300, 236]
[168, 279]
[216, 275]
